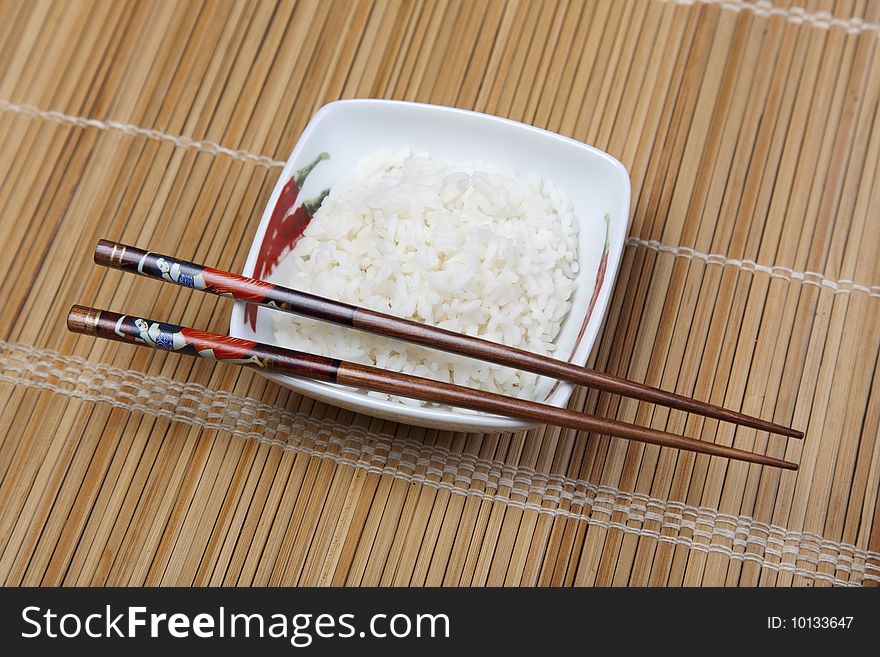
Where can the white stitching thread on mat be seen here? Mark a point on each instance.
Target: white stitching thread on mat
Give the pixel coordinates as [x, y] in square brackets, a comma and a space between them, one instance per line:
[697, 528]
[797, 15]
[136, 131]
[842, 286]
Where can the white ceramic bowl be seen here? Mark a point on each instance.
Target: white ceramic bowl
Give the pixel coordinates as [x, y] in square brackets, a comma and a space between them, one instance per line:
[350, 130]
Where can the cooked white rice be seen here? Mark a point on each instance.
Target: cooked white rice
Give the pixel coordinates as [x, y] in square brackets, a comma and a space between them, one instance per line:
[465, 246]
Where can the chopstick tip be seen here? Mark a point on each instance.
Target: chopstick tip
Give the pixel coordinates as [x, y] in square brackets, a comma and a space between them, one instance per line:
[780, 463]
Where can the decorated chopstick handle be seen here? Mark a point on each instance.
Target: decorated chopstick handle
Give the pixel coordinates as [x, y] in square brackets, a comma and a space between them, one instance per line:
[201, 344]
[223, 283]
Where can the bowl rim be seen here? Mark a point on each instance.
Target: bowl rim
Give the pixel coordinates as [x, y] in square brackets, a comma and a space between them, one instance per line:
[440, 418]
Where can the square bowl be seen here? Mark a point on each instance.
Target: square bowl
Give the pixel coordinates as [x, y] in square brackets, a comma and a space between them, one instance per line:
[350, 130]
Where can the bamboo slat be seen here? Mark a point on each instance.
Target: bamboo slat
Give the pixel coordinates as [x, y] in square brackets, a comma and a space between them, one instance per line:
[752, 135]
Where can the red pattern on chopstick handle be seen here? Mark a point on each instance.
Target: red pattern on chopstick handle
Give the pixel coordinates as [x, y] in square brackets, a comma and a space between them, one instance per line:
[206, 279]
[192, 342]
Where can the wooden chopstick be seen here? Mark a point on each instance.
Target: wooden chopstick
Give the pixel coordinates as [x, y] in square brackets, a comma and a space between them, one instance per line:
[192, 342]
[188, 274]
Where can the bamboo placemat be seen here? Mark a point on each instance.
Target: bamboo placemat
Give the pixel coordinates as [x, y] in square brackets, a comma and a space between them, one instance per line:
[751, 279]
